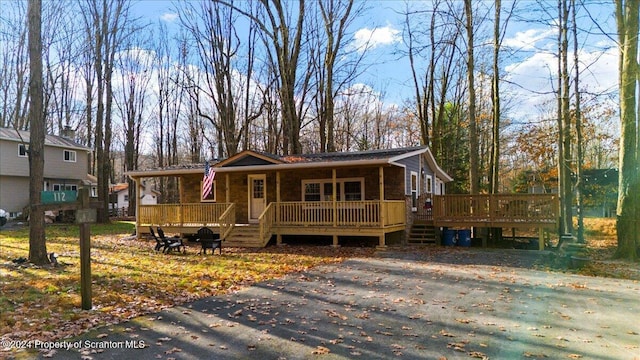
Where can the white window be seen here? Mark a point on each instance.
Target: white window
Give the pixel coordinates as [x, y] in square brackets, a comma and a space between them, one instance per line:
[65, 187]
[428, 187]
[94, 191]
[69, 156]
[414, 191]
[23, 150]
[322, 189]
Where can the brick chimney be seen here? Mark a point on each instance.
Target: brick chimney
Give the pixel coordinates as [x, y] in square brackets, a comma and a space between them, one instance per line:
[68, 133]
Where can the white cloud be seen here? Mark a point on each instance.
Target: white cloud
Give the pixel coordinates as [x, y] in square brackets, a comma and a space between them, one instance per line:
[526, 40]
[169, 17]
[531, 82]
[366, 39]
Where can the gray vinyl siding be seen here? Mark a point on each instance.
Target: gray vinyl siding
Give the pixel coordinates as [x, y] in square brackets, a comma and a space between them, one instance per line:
[14, 193]
[54, 165]
[10, 162]
[411, 164]
[14, 172]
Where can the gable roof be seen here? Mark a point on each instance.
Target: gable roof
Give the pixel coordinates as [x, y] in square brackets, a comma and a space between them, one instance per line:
[249, 160]
[49, 140]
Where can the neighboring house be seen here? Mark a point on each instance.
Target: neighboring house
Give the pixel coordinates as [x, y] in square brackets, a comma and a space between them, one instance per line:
[368, 193]
[65, 167]
[600, 191]
[119, 195]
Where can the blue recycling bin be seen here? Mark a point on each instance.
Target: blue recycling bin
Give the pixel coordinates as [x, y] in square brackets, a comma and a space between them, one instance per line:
[448, 237]
[464, 237]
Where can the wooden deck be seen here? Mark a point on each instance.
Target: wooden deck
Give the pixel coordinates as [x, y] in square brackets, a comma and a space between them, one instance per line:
[509, 211]
[344, 218]
[357, 218]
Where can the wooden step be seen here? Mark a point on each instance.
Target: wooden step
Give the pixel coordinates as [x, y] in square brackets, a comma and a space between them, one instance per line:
[244, 236]
[422, 233]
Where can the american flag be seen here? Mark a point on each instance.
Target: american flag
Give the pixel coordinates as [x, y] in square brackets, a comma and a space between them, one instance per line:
[207, 181]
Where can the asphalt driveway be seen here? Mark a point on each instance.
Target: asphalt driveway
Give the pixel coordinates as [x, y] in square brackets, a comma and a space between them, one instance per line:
[435, 303]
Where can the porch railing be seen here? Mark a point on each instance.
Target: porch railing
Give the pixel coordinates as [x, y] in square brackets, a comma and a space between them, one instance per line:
[266, 220]
[227, 221]
[533, 208]
[345, 213]
[193, 214]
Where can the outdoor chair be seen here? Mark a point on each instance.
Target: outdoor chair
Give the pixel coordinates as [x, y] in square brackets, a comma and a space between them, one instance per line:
[174, 243]
[159, 243]
[208, 240]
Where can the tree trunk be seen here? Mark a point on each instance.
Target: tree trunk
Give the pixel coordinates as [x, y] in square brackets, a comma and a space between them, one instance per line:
[578, 124]
[628, 185]
[474, 175]
[37, 242]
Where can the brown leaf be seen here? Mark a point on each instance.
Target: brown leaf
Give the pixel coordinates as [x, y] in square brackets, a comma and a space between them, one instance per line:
[321, 350]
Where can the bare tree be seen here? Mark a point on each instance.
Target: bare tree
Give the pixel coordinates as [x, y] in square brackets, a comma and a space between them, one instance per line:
[628, 213]
[106, 22]
[134, 68]
[14, 68]
[37, 242]
[226, 97]
[332, 77]
[281, 29]
[474, 174]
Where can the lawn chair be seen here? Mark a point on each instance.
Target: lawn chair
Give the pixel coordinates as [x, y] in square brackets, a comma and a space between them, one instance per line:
[159, 243]
[174, 243]
[208, 240]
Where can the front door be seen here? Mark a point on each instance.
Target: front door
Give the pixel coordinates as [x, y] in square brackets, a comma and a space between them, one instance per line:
[257, 196]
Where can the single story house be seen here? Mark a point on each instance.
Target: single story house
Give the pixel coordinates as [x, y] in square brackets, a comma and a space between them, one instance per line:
[119, 195]
[256, 195]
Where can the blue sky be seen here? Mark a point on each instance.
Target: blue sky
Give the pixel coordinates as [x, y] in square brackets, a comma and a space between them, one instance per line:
[527, 68]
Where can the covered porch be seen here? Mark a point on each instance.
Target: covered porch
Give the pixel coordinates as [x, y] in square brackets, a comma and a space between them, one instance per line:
[328, 218]
[250, 206]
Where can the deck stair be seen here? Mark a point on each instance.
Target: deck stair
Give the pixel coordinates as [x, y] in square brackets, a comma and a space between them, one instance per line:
[245, 236]
[422, 233]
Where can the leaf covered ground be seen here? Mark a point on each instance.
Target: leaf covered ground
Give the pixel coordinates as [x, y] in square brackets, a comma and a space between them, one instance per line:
[130, 279]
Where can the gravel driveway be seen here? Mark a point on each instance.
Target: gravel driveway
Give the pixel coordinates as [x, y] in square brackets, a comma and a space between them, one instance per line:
[434, 303]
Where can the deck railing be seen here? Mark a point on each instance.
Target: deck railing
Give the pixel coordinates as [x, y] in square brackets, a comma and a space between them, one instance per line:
[499, 208]
[340, 213]
[266, 220]
[195, 214]
[227, 221]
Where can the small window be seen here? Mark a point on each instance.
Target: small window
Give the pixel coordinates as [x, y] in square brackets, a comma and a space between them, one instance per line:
[429, 184]
[414, 190]
[64, 187]
[212, 195]
[312, 192]
[352, 190]
[69, 156]
[23, 150]
[126, 198]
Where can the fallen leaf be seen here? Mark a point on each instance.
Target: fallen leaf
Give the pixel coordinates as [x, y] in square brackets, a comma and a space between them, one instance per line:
[321, 350]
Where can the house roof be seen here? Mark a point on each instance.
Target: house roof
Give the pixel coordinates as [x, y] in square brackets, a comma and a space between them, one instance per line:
[250, 160]
[49, 140]
[125, 187]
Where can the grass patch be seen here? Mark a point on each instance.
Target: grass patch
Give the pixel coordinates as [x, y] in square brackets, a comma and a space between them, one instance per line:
[129, 278]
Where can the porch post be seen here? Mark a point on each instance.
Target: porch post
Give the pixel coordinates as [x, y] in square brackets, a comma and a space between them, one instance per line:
[383, 215]
[227, 191]
[335, 205]
[277, 220]
[137, 181]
